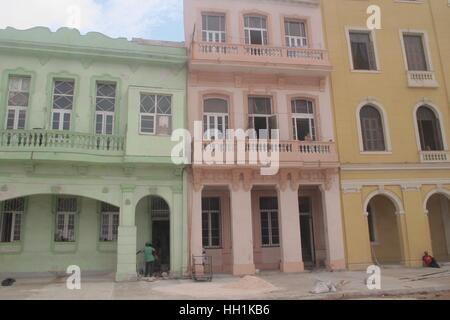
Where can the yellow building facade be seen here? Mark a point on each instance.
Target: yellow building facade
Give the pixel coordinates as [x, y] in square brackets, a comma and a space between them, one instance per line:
[391, 90]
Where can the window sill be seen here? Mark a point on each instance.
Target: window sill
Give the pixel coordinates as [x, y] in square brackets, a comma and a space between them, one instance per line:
[65, 247]
[366, 71]
[270, 246]
[375, 153]
[213, 248]
[10, 247]
[107, 246]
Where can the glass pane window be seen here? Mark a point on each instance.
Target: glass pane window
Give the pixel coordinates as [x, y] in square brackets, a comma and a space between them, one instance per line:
[63, 95]
[295, 32]
[211, 222]
[109, 222]
[106, 97]
[303, 120]
[213, 28]
[105, 108]
[66, 209]
[19, 91]
[363, 50]
[255, 30]
[156, 114]
[372, 129]
[415, 52]
[11, 220]
[429, 130]
[18, 100]
[215, 118]
[261, 118]
[270, 235]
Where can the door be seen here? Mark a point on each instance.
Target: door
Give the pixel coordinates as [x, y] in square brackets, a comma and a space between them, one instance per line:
[161, 242]
[307, 231]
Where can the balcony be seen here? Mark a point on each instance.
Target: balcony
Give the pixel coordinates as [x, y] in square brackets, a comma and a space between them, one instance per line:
[434, 156]
[422, 79]
[214, 54]
[41, 142]
[291, 153]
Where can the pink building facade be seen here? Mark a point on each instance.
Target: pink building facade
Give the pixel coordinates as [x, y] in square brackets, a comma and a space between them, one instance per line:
[262, 65]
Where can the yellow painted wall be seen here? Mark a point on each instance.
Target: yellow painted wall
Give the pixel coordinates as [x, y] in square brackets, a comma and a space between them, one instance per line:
[398, 172]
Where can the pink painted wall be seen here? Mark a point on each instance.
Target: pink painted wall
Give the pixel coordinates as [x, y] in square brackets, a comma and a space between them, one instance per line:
[276, 11]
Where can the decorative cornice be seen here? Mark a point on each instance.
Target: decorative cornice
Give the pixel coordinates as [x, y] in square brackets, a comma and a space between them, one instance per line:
[64, 41]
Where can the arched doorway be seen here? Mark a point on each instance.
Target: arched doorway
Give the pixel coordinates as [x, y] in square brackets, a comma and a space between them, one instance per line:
[153, 225]
[384, 232]
[439, 220]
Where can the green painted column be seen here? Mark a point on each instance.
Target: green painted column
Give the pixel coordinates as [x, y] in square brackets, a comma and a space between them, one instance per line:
[177, 231]
[126, 243]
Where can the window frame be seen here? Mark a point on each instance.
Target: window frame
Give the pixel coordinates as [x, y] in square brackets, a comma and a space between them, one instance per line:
[17, 109]
[222, 35]
[265, 41]
[287, 38]
[372, 35]
[271, 228]
[385, 124]
[66, 221]
[438, 115]
[426, 48]
[62, 112]
[14, 214]
[105, 114]
[209, 213]
[273, 116]
[155, 114]
[215, 115]
[112, 235]
[312, 118]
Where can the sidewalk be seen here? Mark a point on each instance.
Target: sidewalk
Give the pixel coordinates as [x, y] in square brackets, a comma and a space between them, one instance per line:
[396, 281]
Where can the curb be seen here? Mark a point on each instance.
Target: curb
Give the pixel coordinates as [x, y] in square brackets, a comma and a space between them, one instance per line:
[381, 293]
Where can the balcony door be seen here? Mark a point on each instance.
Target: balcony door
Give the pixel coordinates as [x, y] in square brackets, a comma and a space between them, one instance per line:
[18, 99]
[255, 30]
[303, 120]
[105, 107]
[307, 231]
[429, 130]
[213, 27]
[261, 118]
[295, 33]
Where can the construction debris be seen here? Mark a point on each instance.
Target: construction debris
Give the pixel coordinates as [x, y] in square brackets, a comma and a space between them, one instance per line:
[321, 287]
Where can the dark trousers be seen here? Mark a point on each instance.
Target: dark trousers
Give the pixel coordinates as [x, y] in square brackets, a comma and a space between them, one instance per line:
[149, 268]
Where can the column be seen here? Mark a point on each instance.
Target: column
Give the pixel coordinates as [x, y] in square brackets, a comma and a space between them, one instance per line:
[241, 231]
[176, 232]
[126, 242]
[415, 228]
[446, 220]
[291, 246]
[196, 225]
[333, 224]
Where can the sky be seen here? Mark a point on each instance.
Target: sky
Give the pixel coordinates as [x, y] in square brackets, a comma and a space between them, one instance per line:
[150, 19]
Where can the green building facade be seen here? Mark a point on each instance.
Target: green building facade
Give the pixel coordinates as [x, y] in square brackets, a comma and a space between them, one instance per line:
[86, 175]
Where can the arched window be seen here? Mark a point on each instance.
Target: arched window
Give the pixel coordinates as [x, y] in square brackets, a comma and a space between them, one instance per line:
[372, 129]
[215, 117]
[429, 130]
[303, 120]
